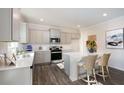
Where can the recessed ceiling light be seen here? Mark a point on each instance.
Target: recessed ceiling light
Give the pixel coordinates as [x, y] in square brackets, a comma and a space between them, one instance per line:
[104, 14]
[41, 19]
[78, 26]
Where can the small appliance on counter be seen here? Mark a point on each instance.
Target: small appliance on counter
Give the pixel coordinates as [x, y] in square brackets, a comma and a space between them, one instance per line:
[29, 48]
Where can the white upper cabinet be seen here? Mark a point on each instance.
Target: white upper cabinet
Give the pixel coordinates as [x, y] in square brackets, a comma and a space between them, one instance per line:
[34, 37]
[65, 38]
[75, 35]
[38, 37]
[38, 34]
[54, 33]
[68, 38]
[45, 37]
[23, 33]
[9, 24]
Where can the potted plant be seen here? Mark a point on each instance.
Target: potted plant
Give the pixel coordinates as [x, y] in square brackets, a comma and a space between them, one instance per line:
[92, 46]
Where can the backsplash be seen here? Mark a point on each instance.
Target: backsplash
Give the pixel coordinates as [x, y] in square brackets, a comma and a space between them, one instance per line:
[8, 47]
[11, 47]
[74, 46]
[46, 46]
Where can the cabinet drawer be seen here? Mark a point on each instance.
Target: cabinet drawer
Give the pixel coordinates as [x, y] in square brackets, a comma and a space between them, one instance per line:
[42, 57]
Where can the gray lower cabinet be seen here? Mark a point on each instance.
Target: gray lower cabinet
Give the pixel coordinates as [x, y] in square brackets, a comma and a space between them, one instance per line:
[19, 76]
[42, 57]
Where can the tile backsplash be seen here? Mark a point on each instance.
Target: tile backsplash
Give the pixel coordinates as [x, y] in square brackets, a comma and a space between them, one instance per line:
[8, 47]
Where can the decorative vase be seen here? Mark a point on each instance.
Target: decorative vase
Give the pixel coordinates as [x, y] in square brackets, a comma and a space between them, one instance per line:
[91, 50]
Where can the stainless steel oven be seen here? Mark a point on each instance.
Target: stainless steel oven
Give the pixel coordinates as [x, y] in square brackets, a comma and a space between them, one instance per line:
[56, 54]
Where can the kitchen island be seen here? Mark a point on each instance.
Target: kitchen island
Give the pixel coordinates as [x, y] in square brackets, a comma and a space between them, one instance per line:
[18, 74]
[71, 60]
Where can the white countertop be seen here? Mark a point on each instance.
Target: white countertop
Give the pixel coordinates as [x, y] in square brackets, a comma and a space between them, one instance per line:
[74, 54]
[43, 50]
[21, 62]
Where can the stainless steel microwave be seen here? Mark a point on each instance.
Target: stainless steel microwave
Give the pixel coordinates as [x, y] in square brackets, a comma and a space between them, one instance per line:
[55, 40]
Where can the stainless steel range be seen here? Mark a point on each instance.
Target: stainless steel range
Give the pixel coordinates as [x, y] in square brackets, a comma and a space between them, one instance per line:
[56, 54]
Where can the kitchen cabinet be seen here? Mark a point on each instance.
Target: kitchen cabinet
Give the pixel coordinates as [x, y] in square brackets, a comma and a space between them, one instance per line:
[68, 38]
[62, 38]
[42, 57]
[45, 37]
[23, 33]
[34, 37]
[75, 35]
[54, 33]
[9, 25]
[39, 37]
[65, 38]
[20, 76]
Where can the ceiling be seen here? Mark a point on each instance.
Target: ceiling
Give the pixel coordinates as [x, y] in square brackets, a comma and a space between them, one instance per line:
[70, 17]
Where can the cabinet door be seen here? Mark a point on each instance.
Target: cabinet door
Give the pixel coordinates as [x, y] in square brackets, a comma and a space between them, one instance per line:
[35, 37]
[16, 30]
[54, 33]
[45, 37]
[9, 25]
[5, 24]
[32, 36]
[39, 37]
[15, 24]
[47, 56]
[75, 35]
[68, 38]
[42, 57]
[23, 33]
[63, 38]
[38, 57]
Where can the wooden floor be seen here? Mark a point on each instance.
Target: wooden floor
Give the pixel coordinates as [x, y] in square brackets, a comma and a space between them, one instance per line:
[45, 74]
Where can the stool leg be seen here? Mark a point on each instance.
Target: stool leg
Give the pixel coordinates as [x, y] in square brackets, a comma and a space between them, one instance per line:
[103, 74]
[94, 74]
[88, 79]
[78, 71]
[108, 72]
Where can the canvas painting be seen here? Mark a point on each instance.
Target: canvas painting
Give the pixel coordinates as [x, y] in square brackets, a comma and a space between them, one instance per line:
[115, 39]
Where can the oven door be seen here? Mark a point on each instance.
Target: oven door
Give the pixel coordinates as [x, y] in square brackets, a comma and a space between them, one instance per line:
[56, 56]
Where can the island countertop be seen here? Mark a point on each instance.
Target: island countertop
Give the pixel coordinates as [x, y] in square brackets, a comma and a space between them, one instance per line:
[25, 60]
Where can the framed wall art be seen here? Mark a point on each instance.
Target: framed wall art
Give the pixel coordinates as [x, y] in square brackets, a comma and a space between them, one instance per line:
[115, 39]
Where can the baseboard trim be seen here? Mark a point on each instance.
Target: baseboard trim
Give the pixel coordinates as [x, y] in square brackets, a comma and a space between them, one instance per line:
[121, 69]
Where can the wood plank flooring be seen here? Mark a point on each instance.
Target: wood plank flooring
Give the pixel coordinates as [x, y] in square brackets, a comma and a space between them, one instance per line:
[46, 74]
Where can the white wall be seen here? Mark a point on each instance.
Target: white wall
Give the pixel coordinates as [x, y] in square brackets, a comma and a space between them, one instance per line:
[117, 57]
